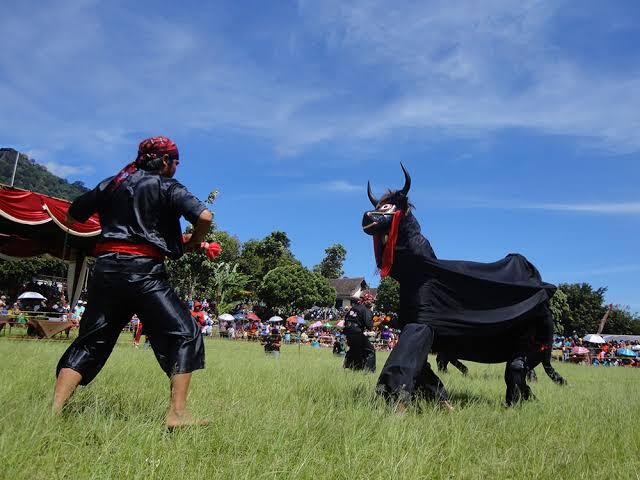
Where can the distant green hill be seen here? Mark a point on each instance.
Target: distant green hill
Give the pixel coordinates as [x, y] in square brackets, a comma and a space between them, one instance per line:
[37, 178]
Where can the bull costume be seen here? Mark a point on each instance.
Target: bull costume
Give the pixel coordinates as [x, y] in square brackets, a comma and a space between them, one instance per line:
[483, 312]
[361, 354]
[139, 212]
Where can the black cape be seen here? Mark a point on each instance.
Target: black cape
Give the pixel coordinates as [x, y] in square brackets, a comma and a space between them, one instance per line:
[463, 298]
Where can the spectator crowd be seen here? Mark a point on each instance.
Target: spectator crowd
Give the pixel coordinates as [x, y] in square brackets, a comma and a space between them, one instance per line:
[317, 327]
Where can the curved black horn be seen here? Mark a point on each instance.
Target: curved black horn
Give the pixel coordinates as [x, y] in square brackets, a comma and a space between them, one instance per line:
[372, 199]
[407, 181]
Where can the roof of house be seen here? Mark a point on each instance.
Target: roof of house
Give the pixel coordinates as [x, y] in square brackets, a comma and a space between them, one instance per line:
[346, 287]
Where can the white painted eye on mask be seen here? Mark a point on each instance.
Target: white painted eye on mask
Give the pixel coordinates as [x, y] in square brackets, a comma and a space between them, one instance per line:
[387, 207]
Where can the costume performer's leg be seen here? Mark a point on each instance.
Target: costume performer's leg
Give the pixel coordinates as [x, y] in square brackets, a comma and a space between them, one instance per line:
[176, 340]
[442, 361]
[406, 364]
[429, 386]
[460, 366]
[515, 377]
[531, 375]
[370, 356]
[361, 354]
[547, 327]
[515, 374]
[350, 359]
[551, 372]
[542, 353]
[108, 311]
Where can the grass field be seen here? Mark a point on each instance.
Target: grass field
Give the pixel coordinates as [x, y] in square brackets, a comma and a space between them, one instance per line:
[303, 416]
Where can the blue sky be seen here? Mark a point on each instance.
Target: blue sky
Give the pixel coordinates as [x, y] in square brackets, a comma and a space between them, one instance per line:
[519, 121]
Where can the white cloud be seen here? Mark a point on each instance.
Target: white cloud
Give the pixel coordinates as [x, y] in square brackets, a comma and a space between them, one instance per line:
[65, 171]
[341, 186]
[442, 67]
[622, 208]
[609, 270]
[467, 71]
[448, 199]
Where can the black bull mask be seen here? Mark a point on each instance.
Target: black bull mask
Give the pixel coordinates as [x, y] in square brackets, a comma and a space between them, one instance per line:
[379, 221]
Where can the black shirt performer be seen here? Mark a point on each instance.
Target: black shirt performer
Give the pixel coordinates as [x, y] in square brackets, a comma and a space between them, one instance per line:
[139, 212]
[361, 354]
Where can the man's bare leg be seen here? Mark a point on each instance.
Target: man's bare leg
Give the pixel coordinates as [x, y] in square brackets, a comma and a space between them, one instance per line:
[66, 383]
[178, 415]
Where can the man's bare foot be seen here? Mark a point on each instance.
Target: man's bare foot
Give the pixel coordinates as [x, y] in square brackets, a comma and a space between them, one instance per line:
[400, 408]
[184, 419]
[445, 405]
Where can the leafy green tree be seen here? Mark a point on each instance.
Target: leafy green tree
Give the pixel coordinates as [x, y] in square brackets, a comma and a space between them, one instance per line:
[229, 244]
[258, 257]
[190, 274]
[586, 307]
[293, 288]
[635, 325]
[13, 274]
[621, 321]
[224, 286]
[560, 310]
[388, 296]
[331, 265]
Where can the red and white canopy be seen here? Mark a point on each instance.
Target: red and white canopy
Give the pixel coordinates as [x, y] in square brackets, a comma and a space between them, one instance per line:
[31, 208]
[33, 224]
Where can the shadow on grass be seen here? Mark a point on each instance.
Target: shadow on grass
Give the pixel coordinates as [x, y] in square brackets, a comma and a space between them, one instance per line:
[109, 407]
[460, 400]
[466, 399]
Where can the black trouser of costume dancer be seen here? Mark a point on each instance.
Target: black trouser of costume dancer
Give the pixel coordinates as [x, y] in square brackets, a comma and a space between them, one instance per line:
[443, 360]
[361, 354]
[407, 373]
[122, 285]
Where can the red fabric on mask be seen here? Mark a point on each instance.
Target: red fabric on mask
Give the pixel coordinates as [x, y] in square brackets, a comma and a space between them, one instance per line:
[384, 254]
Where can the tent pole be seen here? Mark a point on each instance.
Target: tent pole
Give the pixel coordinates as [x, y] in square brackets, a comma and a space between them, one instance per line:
[15, 167]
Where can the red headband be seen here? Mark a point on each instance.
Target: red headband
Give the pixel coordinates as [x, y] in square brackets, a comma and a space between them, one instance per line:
[149, 148]
[155, 147]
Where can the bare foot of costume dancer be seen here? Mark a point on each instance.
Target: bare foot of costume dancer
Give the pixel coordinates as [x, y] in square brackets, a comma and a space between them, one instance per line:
[139, 212]
[490, 313]
[361, 354]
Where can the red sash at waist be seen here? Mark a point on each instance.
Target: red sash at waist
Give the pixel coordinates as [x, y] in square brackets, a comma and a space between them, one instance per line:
[118, 246]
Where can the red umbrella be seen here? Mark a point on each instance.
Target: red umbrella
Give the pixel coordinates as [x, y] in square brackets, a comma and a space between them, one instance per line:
[579, 350]
[253, 316]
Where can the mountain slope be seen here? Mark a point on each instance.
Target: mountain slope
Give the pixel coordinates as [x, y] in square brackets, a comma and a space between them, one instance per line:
[37, 178]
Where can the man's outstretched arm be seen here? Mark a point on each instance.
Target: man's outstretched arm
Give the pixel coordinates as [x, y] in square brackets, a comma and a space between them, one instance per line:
[200, 230]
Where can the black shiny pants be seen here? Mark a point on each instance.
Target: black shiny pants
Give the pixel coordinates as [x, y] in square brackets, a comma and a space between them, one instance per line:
[122, 285]
[407, 373]
[361, 354]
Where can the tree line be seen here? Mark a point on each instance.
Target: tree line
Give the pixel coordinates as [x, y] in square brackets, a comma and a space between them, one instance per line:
[264, 272]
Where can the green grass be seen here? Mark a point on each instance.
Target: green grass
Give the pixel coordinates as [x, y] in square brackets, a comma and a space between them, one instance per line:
[303, 416]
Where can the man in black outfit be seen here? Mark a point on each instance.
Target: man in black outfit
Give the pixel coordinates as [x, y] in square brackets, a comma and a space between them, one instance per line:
[139, 212]
[361, 354]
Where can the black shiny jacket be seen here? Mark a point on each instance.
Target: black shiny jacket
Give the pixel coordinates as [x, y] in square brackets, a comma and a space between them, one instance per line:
[144, 208]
